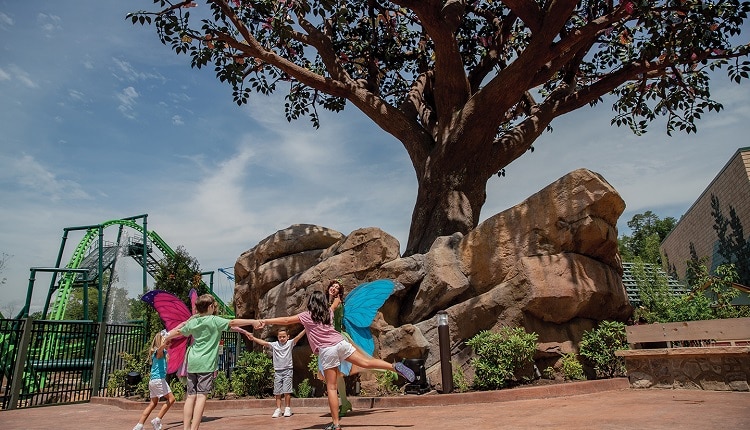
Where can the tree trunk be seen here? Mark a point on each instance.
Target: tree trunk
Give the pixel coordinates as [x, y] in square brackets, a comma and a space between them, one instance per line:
[449, 200]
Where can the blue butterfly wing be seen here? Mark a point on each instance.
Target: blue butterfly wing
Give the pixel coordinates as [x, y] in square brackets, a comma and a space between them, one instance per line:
[361, 306]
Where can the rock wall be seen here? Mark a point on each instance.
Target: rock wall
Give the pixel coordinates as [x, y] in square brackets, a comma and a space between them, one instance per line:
[549, 264]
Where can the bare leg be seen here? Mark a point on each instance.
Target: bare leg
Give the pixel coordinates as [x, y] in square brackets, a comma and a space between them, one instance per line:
[333, 400]
[278, 401]
[187, 412]
[146, 412]
[200, 404]
[165, 408]
[288, 400]
[363, 361]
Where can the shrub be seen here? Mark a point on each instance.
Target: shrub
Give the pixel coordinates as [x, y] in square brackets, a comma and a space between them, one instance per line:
[116, 379]
[460, 384]
[304, 389]
[572, 369]
[549, 372]
[598, 347]
[499, 355]
[253, 374]
[387, 382]
[221, 386]
[178, 389]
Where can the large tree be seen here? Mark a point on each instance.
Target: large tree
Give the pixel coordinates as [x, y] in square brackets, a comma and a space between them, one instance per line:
[465, 86]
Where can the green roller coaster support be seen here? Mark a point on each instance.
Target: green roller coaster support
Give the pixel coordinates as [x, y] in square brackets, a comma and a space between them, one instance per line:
[67, 280]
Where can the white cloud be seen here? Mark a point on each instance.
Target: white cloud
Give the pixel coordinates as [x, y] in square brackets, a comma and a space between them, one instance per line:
[177, 120]
[126, 72]
[49, 23]
[38, 180]
[6, 21]
[127, 98]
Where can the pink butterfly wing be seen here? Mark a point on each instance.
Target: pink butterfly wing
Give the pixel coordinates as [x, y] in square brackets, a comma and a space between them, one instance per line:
[172, 312]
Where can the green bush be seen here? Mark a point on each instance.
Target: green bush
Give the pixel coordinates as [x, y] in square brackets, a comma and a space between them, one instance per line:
[598, 347]
[221, 386]
[116, 379]
[387, 382]
[304, 389]
[572, 369]
[178, 389]
[460, 384]
[500, 355]
[253, 374]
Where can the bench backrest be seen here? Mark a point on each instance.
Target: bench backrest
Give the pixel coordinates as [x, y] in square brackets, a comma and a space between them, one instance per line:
[718, 330]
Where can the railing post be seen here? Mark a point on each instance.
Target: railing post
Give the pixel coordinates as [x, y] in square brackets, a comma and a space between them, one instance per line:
[101, 341]
[23, 347]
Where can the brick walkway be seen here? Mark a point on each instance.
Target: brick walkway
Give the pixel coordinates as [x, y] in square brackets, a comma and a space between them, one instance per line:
[606, 404]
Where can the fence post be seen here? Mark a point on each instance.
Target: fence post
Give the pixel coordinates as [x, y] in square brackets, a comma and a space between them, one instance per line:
[101, 341]
[23, 347]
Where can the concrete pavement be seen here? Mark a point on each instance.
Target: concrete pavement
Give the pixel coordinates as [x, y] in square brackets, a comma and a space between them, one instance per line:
[606, 404]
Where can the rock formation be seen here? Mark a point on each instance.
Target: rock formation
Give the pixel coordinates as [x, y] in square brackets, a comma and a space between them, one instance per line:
[549, 264]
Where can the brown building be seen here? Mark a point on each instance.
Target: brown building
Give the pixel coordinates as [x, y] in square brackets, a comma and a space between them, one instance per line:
[732, 187]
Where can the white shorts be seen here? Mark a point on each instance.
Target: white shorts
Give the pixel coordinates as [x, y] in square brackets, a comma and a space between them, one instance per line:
[331, 356]
[158, 388]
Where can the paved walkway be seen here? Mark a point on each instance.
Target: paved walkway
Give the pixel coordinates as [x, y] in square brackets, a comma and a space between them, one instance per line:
[608, 405]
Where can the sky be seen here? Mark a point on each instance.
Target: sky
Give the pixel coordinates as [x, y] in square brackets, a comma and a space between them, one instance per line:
[100, 121]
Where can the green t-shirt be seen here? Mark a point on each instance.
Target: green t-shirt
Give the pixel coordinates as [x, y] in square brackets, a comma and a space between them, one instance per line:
[203, 354]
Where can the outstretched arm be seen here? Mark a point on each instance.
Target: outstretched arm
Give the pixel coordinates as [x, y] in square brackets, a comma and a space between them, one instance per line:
[299, 336]
[250, 336]
[294, 319]
[241, 322]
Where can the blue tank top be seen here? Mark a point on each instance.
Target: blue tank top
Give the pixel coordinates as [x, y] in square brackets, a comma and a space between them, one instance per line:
[159, 367]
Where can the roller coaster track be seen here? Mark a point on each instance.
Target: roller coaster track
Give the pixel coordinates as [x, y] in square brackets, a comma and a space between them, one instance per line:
[67, 280]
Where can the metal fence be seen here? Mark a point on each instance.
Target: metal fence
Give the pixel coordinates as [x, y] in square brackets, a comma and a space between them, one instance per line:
[59, 362]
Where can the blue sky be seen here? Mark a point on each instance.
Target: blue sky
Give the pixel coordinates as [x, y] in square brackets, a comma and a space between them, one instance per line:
[100, 121]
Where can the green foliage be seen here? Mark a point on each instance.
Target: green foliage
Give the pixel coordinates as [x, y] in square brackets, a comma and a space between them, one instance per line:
[221, 386]
[549, 372]
[178, 389]
[387, 382]
[648, 231]
[253, 374]
[572, 369]
[598, 346]
[711, 298]
[460, 384]
[304, 389]
[132, 363]
[500, 355]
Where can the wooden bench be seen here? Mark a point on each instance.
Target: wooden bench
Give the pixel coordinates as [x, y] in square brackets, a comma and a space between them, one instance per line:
[707, 355]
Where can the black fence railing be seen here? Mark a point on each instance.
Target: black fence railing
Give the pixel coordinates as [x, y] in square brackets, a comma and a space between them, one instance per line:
[58, 362]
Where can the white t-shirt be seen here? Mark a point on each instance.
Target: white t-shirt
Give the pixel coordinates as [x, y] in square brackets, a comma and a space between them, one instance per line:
[282, 354]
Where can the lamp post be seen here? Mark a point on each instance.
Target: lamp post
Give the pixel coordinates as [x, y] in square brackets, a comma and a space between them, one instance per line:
[444, 339]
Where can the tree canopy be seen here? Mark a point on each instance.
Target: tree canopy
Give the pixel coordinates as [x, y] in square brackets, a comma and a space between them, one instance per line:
[465, 86]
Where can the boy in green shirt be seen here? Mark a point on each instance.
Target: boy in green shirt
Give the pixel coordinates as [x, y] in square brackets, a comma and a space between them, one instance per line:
[203, 355]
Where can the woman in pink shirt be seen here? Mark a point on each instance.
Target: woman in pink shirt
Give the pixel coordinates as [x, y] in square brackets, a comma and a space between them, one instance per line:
[332, 348]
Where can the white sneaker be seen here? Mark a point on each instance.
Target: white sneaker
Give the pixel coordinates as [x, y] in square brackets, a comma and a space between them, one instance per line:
[156, 422]
[288, 412]
[276, 413]
[138, 426]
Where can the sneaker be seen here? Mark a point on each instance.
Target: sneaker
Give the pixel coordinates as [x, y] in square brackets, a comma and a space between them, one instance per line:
[276, 413]
[404, 371]
[156, 422]
[288, 412]
[138, 426]
[332, 426]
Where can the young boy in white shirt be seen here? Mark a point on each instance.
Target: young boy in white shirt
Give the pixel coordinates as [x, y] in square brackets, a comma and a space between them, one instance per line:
[282, 366]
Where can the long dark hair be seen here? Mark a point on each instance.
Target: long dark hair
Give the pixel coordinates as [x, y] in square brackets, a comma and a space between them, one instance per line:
[318, 307]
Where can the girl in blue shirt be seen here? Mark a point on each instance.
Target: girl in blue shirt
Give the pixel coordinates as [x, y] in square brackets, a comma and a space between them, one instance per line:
[157, 384]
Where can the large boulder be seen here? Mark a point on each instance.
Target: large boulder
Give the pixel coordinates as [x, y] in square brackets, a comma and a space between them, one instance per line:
[549, 264]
